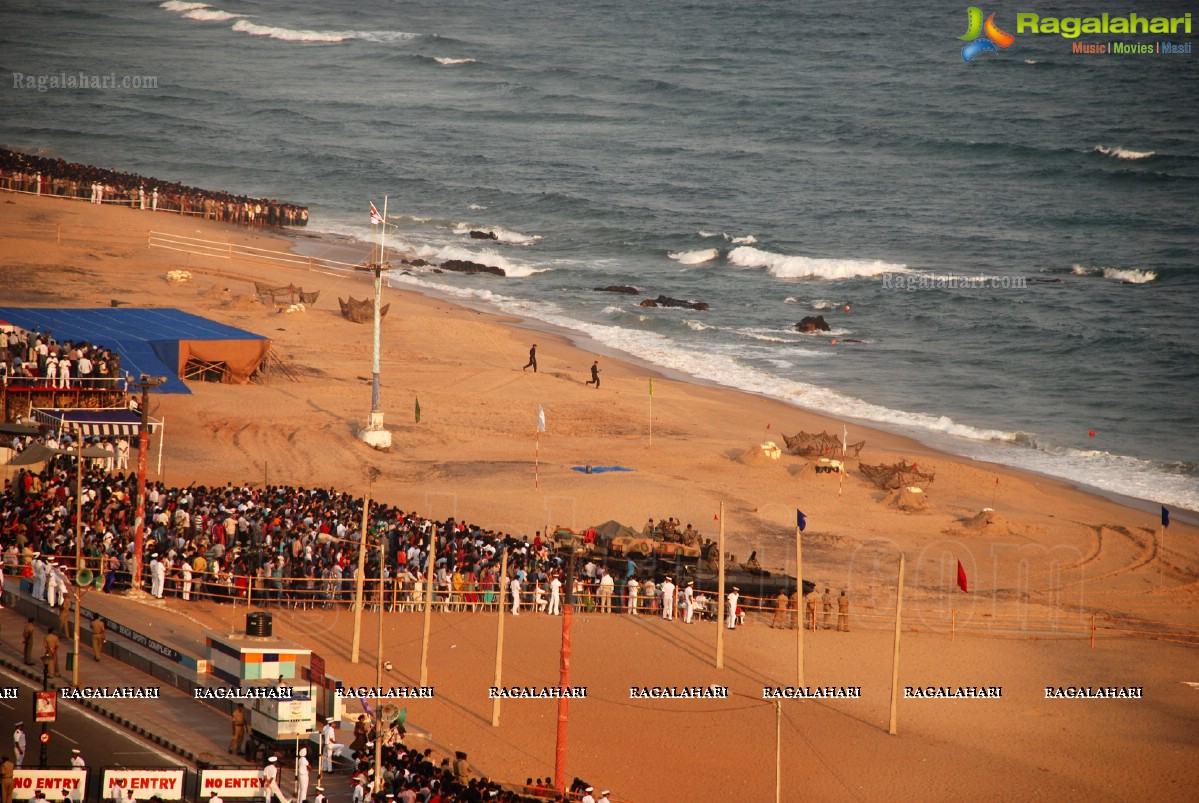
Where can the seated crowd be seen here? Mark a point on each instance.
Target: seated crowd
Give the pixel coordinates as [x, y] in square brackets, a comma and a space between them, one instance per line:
[21, 172]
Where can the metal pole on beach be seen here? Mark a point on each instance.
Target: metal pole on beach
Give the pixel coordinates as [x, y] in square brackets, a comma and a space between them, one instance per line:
[78, 548]
[143, 384]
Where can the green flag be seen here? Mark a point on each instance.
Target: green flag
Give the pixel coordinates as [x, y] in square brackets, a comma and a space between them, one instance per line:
[418, 409]
[651, 386]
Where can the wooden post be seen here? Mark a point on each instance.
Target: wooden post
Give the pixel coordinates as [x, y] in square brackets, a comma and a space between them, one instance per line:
[800, 601]
[778, 750]
[499, 640]
[358, 583]
[720, 594]
[952, 623]
[424, 645]
[895, 656]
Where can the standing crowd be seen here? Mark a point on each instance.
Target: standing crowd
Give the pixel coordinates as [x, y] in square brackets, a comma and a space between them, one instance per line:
[38, 175]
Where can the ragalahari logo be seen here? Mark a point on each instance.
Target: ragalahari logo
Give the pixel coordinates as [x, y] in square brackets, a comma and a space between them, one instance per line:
[981, 36]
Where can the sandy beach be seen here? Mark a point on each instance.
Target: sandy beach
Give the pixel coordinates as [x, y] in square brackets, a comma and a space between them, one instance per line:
[1053, 561]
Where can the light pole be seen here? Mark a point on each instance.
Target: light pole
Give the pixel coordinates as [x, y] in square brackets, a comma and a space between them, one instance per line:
[374, 433]
[144, 384]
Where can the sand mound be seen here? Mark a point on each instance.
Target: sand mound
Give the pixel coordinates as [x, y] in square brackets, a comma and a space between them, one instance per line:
[762, 454]
[909, 500]
[988, 520]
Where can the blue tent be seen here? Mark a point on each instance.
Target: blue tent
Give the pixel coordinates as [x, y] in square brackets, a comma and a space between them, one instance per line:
[158, 342]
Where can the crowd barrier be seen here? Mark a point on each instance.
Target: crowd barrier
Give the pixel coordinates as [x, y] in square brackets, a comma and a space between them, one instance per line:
[325, 593]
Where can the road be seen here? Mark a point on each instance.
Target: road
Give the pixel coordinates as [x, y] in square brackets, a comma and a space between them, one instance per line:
[100, 742]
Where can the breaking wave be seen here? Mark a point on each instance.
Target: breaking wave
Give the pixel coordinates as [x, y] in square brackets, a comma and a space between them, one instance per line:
[318, 37]
[796, 267]
[695, 257]
[1122, 153]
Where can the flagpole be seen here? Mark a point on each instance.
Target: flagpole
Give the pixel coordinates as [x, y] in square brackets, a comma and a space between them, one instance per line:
[720, 594]
[799, 602]
[537, 462]
[895, 656]
[374, 433]
[1160, 550]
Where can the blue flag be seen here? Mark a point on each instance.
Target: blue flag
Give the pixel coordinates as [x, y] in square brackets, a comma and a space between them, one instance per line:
[1165, 516]
[801, 521]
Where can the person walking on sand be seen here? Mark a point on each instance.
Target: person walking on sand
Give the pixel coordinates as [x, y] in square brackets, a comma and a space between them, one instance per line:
[532, 359]
[594, 380]
[843, 612]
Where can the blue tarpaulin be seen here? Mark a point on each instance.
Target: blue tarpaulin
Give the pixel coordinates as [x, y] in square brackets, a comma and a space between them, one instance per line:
[156, 342]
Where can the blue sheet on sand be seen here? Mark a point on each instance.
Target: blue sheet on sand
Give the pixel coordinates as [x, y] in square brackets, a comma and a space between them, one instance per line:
[599, 469]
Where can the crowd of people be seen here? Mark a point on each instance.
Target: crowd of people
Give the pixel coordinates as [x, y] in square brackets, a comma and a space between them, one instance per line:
[37, 359]
[39, 175]
[298, 547]
[410, 775]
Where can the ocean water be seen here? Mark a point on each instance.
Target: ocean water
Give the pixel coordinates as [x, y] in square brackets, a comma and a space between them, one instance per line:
[1015, 238]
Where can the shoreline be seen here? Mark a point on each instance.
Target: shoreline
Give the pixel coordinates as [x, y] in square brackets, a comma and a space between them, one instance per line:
[934, 442]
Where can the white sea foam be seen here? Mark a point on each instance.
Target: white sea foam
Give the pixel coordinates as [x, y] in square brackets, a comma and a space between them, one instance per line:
[1123, 153]
[448, 62]
[796, 267]
[1126, 275]
[1030, 61]
[790, 300]
[1129, 275]
[476, 207]
[695, 325]
[180, 7]
[501, 235]
[612, 310]
[707, 234]
[318, 37]
[211, 15]
[695, 257]
[487, 256]
[824, 303]
[748, 239]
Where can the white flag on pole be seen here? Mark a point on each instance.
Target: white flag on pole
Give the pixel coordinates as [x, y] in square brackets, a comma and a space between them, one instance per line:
[376, 218]
[540, 418]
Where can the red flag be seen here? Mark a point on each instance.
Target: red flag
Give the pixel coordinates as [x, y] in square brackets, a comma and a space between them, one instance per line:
[376, 218]
[962, 578]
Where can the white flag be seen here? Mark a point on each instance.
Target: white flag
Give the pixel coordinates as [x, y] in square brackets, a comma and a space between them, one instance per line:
[844, 440]
[540, 419]
[376, 218]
